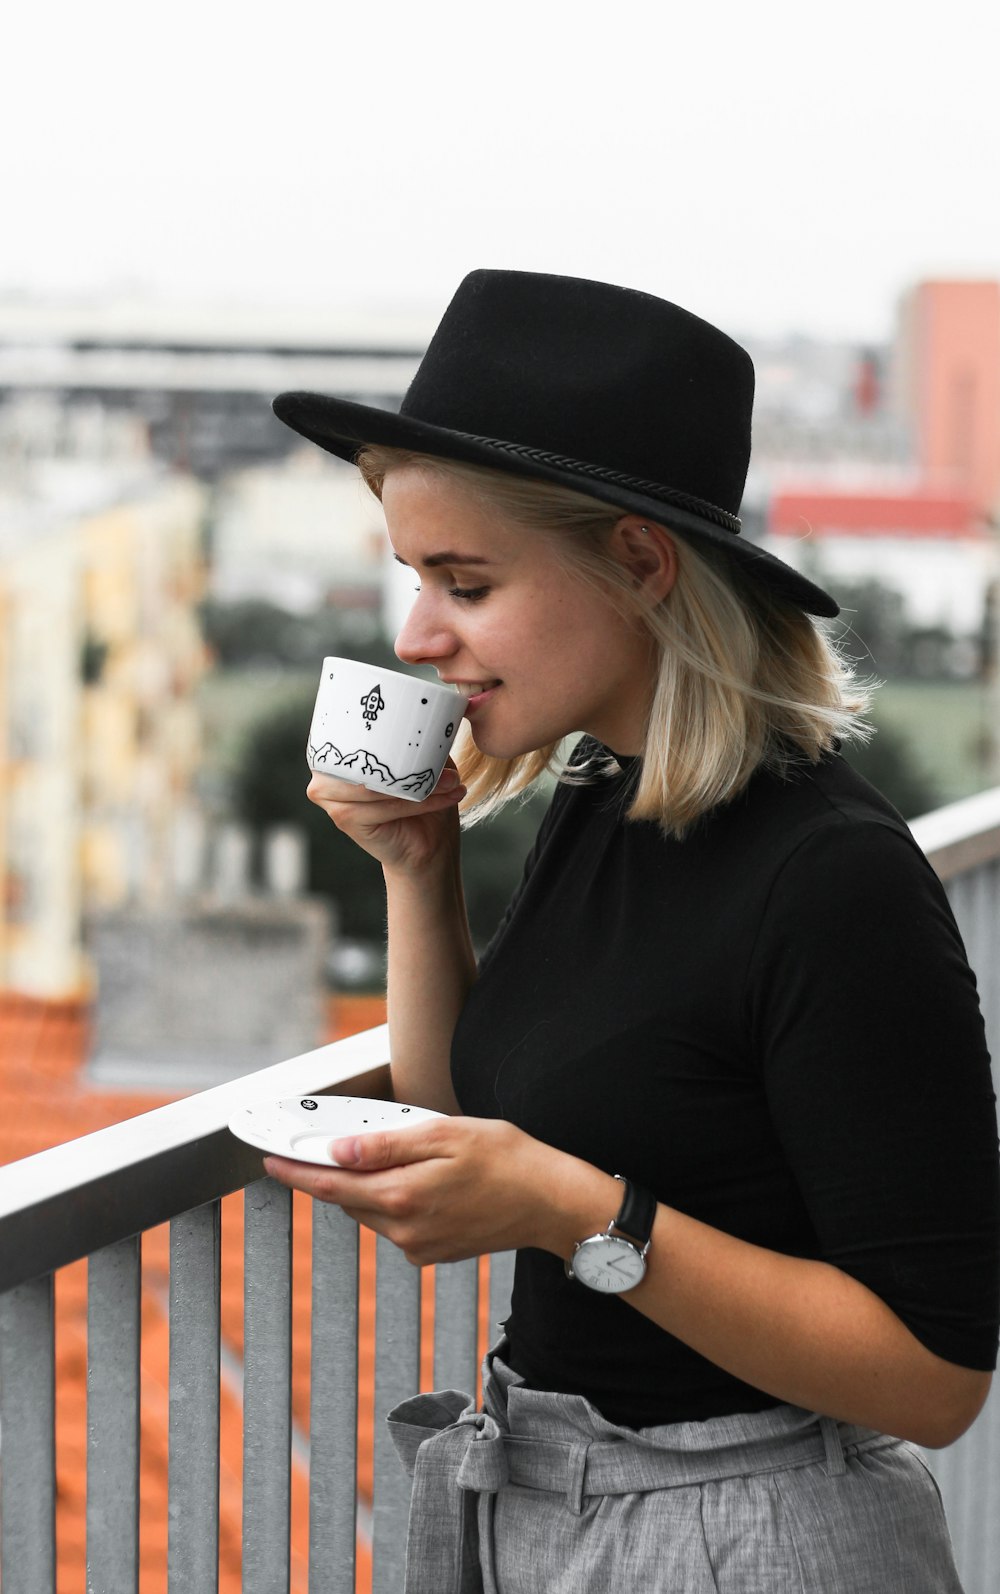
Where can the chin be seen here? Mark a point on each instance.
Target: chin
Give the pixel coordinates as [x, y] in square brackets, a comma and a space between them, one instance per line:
[505, 747]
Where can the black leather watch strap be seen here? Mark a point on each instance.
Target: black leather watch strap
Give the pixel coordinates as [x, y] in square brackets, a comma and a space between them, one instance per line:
[636, 1213]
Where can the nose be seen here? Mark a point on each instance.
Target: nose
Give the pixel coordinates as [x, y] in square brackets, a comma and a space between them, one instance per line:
[423, 637]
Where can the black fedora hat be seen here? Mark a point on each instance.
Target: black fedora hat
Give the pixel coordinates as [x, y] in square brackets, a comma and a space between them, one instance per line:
[603, 389]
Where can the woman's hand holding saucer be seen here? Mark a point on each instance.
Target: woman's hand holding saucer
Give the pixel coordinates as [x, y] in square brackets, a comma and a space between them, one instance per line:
[458, 1188]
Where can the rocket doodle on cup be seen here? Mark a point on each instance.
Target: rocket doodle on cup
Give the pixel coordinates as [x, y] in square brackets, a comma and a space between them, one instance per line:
[382, 729]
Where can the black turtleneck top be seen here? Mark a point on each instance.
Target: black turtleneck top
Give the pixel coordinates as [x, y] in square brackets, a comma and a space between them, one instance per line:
[771, 1024]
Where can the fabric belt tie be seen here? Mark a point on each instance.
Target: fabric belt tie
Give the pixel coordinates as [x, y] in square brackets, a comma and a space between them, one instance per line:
[444, 1442]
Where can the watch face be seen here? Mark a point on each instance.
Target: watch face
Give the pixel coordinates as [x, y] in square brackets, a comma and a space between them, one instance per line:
[608, 1264]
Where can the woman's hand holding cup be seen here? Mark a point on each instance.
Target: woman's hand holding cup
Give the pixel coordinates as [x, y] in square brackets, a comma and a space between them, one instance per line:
[379, 746]
[405, 837]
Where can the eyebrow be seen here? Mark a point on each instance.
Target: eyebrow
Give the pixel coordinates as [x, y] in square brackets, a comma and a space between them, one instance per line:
[448, 557]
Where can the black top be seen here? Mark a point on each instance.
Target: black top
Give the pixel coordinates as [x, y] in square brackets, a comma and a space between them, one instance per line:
[770, 1024]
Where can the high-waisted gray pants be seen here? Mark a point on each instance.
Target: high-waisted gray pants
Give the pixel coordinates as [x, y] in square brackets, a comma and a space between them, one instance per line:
[538, 1494]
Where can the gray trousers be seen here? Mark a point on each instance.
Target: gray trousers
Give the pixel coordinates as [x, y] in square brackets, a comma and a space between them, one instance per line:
[538, 1494]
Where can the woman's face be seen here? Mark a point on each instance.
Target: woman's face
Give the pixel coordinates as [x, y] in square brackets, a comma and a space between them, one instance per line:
[498, 614]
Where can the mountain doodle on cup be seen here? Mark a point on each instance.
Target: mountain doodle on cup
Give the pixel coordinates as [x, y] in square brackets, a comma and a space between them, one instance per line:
[364, 763]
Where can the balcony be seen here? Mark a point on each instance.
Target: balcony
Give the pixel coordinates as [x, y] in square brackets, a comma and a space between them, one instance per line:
[315, 1515]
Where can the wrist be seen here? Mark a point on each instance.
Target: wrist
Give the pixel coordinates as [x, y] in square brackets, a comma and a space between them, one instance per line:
[613, 1259]
[586, 1201]
[441, 867]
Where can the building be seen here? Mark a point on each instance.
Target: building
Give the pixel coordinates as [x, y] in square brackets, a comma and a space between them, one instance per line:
[930, 545]
[303, 534]
[191, 387]
[948, 384]
[823, 408]
[100, 649]
[200, 379]
[882, 468]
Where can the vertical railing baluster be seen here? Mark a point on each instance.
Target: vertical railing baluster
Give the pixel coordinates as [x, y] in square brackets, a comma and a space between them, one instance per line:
[456, 1303]
[267, 1387]
[397, 1377]
[193, 1467]
[986, 962]
[501, 1287]
[967, 1471]
[975, 899]
[114, 1281]
[27, 1416]
[333, 1401]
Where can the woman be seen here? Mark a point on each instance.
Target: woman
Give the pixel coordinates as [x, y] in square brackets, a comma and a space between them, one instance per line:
[720, 1078]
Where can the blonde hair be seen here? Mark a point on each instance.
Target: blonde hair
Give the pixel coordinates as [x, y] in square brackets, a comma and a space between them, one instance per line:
[746, 679]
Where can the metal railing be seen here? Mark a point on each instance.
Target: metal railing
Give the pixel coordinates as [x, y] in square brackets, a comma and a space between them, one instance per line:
[93, 1197]
[962, 842]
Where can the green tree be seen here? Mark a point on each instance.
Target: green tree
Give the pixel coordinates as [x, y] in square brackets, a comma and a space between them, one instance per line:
[252, 631]
[889, 763]
[872, 627]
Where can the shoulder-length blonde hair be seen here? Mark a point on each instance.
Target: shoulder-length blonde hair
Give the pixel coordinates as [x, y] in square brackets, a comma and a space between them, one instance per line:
[746, 679]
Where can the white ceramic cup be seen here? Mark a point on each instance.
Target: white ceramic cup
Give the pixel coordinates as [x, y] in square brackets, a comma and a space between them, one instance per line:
[382, 729]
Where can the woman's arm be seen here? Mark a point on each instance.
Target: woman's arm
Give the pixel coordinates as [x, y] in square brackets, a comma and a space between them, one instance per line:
[802, 1330]
[431, 964]
[430, 970]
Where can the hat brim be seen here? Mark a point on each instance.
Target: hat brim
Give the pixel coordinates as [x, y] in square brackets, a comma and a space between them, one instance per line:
[343, 427]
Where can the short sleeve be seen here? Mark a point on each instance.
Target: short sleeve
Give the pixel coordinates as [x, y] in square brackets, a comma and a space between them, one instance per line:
[867, 1030]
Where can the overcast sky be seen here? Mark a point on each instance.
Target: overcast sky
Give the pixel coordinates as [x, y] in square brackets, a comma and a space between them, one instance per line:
[772, 166]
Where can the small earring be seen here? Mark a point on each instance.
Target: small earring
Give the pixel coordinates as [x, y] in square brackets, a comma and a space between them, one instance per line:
[645, 529]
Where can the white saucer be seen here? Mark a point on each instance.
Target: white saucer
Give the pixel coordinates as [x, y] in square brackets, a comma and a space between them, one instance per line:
[303, 1126]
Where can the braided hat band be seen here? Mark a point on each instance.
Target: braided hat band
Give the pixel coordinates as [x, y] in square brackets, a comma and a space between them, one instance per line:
[615, 478]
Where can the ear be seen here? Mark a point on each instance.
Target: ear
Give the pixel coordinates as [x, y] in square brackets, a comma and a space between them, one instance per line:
[649, 554]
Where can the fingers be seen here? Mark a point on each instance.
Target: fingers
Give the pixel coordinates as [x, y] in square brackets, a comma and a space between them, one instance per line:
[384, 1200]
[364, 1182]
[342, 1189]
[361, 1154]
[384, 1148]
[358, 811]
[312, 1178]
[327, 788]
[323, 789]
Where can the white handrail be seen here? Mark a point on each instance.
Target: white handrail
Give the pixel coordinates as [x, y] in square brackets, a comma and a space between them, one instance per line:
[63, 1203]
[961, 835]
[122, 1145]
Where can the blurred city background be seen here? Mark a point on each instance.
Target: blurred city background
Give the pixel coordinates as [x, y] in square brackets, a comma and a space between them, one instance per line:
[175, 565]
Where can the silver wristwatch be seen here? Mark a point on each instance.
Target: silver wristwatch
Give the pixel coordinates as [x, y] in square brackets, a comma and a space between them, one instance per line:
[616, 1259]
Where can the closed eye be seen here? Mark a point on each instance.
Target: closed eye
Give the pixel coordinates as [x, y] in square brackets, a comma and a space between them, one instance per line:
[469, 594]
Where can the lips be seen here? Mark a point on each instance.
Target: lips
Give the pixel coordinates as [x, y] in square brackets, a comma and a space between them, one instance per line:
[477, 699]
[473, 688]
[477, 692]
